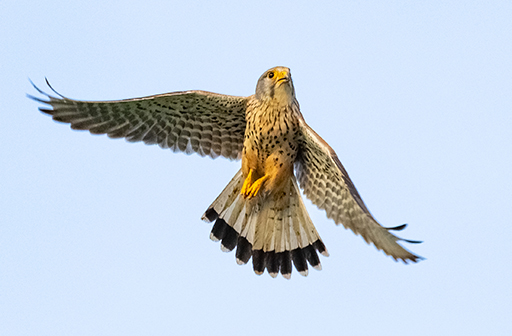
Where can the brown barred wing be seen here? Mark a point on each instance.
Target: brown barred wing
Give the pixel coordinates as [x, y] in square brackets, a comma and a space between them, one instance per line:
[206, 123]
[326, 183]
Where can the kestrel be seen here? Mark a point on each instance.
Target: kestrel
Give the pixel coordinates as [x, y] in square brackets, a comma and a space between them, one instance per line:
[260, 212]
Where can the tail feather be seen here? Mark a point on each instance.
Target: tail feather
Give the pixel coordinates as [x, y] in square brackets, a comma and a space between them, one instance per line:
[274, 230]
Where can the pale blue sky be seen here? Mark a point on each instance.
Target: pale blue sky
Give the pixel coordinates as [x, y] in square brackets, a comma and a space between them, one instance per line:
[103, 237]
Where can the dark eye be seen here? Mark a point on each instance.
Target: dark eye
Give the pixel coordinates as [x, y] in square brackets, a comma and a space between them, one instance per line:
[270, 75]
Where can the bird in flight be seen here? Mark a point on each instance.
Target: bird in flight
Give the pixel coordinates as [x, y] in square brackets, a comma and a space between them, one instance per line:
[260, 212]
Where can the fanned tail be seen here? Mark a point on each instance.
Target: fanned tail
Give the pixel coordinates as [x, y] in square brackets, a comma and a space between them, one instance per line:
[274, 229]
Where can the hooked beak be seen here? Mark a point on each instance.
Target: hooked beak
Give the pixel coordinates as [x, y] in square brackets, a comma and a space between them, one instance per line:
[283, 76]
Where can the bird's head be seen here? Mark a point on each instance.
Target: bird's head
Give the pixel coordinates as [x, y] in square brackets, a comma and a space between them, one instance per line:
[276, 84]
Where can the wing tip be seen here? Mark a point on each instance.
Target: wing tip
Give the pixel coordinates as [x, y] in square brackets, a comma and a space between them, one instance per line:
[51, 88]
[37, 88]
[397, 228]
[44, 93]
[413, 258]
[412, 241]
[37, 99]
[46, 111]
[49, 98]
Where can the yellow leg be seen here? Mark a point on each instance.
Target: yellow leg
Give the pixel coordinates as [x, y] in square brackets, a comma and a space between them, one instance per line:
[246, 185]
[255, 187]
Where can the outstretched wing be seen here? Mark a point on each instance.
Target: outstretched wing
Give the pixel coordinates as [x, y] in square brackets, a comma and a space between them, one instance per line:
[189, 121]
[326, 183]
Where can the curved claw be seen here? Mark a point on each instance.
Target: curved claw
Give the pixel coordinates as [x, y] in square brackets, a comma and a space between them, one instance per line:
[245, 187]
[251, 191]
[256, 186]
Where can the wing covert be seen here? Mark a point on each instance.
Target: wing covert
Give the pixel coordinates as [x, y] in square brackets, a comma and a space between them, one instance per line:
[206, 123]
[326, 183]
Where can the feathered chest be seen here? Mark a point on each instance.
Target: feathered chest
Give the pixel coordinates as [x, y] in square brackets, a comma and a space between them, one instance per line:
[271, 128]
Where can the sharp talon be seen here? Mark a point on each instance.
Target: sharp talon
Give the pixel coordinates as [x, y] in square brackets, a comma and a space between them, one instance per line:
[250, 190]
[245, 187]
[253, 191]
[256, 186]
